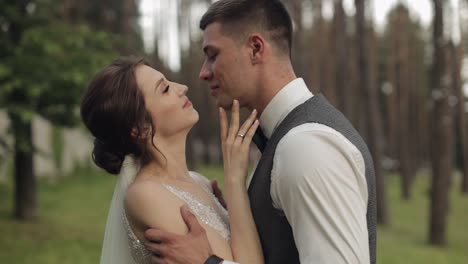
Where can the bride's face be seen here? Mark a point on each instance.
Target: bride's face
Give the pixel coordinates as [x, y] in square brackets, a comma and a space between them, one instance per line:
[170, 109]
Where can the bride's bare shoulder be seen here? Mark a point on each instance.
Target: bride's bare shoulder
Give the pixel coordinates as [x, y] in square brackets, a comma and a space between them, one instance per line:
[149, 204]
[141, 190]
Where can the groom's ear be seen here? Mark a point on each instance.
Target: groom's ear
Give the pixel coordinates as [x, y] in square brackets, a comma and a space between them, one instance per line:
[257, 47]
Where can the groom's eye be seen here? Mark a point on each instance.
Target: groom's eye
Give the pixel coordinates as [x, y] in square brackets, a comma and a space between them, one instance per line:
[166, 89]
[212, 56]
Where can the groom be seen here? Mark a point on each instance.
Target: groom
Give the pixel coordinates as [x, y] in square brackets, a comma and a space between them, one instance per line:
[313, 191]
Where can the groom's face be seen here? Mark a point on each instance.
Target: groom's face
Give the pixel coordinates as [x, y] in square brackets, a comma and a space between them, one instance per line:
[226, 67]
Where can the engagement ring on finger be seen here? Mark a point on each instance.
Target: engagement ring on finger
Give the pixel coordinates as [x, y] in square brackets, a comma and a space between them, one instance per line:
[240, 135]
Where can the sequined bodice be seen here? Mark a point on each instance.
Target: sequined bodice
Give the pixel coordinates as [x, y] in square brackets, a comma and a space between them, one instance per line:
[214, 216]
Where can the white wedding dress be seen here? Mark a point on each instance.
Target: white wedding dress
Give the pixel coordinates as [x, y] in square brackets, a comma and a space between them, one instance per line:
[121, 246]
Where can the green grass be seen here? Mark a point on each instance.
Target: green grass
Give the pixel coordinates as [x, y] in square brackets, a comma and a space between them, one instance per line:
[70, 226]
[405, 241]
[73, 213]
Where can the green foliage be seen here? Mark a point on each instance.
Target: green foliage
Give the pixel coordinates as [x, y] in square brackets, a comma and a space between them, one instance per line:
[47, 55]
[45, 63]
[49, 69]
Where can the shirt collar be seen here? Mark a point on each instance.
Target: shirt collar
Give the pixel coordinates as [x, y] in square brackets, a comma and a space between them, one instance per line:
[288, 98]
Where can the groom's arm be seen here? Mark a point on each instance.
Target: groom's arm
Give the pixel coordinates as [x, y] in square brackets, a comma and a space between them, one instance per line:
[192, 248]
[318, 182]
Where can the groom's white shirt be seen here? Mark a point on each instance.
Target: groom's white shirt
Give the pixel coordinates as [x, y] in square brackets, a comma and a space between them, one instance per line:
[318, 181]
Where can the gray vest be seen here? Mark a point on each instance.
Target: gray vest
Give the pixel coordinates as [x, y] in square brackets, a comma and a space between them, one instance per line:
[275, 232]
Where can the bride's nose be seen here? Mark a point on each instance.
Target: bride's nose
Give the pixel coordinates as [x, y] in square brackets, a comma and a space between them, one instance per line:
[183, 90]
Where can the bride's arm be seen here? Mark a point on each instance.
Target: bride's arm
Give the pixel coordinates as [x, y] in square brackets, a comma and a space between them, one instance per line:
[245, 243]
[147, 204]
[150, 205]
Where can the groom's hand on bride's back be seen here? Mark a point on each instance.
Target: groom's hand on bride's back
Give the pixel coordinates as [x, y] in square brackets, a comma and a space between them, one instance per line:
[170, 248]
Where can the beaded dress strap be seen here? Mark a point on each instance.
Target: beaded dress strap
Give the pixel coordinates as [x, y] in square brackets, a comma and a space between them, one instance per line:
[205, 213]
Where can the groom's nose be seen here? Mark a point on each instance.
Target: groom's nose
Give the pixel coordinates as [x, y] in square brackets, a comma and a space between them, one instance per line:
[205, 72]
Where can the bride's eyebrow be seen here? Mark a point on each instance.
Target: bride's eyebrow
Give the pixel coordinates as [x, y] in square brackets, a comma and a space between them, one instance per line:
[158, 83]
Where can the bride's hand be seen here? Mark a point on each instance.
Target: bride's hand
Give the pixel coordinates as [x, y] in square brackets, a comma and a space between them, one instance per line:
[236, 142]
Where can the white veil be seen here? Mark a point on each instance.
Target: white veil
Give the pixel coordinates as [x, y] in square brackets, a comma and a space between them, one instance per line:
[115, 247]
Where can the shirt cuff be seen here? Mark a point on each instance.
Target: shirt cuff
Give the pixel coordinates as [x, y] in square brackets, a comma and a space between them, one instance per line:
[228, 262]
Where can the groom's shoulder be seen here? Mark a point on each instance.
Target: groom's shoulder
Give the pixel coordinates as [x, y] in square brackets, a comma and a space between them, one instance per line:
[310, 144]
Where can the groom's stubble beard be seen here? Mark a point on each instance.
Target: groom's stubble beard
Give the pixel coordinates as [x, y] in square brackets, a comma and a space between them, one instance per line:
[224, 102]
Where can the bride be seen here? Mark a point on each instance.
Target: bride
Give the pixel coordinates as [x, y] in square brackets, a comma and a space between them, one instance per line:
[140, 121]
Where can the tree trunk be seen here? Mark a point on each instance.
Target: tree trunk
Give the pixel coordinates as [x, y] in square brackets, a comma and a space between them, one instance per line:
[461, 107]
[391, 101]
[297, 50]
[341, 50]
[457, 56]
[317, 47]
[442, 148]
[25, 196]
[416, 105]
[375, 133]
[367, 82]
[403, 77]
[25, 181]
[400, 75]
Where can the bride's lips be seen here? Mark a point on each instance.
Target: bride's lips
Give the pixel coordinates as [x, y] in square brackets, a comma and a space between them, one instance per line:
[214, 90]
[187, 103]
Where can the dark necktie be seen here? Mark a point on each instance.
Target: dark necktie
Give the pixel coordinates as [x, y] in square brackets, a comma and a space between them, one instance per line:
[260, 139]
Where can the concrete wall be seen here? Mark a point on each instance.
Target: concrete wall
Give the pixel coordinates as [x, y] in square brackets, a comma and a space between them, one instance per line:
[76, 149]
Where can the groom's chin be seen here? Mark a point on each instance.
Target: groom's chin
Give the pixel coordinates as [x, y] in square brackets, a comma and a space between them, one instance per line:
[224, 103]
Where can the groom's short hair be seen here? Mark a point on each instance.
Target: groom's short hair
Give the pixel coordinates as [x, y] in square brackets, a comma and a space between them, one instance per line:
[238, 18]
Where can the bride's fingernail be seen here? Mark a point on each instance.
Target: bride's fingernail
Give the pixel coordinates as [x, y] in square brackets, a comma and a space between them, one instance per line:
[236, 102]
[254, 111]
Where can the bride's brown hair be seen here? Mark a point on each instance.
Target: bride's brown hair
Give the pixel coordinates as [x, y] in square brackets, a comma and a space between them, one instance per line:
[111, 107]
